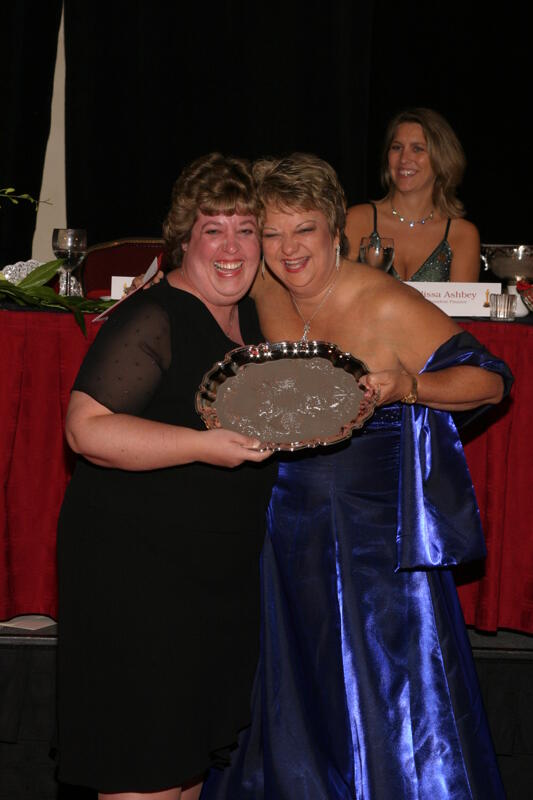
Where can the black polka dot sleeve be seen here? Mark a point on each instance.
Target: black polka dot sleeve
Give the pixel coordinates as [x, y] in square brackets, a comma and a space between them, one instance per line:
[128, 358]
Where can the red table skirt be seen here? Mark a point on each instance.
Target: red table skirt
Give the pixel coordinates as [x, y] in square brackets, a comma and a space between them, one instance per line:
[499, 454]
[41, 354]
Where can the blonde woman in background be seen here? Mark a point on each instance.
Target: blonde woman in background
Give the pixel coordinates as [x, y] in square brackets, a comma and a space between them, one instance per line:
[422, 166]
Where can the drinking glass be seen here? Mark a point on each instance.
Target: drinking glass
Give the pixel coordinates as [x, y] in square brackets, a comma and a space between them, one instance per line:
[70, 244]
[503, 307]
[377, 252]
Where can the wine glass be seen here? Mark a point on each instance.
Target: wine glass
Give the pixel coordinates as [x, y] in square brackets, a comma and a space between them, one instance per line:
[377, 252]
[70, 244]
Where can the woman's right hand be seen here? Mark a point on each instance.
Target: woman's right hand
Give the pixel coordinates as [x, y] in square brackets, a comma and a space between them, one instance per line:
[136, 282]
[224, 448]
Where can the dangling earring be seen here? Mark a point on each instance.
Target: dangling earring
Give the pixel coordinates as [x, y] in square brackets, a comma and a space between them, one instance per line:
[263, 267]
[337, 257]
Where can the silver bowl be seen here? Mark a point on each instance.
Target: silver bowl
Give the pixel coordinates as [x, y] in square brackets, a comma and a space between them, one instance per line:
[325, 380]
[508, 261]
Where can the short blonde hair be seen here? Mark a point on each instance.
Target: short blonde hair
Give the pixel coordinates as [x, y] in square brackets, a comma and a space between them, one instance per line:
[213, 184]
[302, 181]
[445, 153]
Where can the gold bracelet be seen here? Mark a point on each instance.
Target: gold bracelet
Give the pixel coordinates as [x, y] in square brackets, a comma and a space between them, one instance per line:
[412, 397]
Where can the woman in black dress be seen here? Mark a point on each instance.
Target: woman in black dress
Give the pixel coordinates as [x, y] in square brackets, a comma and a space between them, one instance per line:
[163, 521]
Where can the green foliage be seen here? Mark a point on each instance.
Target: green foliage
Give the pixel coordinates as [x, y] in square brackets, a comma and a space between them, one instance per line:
[8, 193]
[40, 275]
[31, 292]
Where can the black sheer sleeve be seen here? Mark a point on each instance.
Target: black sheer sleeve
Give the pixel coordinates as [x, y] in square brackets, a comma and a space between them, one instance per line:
[124, 366]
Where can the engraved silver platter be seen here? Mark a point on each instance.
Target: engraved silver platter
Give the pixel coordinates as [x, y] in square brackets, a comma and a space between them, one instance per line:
[290, 395]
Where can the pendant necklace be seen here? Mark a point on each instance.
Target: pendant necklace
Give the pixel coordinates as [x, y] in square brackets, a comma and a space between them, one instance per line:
[307, 323]
[411, 222]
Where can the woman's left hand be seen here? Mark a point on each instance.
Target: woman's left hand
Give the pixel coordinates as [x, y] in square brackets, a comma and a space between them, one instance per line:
[138, 281]
[389, 384]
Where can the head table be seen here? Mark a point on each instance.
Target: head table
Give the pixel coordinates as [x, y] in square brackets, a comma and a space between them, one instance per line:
[41, 354]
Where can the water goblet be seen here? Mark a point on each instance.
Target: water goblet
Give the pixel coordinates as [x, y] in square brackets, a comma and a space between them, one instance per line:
[377, 252]
[70, 244]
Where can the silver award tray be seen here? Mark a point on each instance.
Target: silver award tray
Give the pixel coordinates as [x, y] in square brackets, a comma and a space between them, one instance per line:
[331, 394]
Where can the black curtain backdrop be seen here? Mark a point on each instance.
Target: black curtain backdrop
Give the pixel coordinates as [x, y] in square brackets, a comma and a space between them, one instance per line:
[28, 44]
[150, 87]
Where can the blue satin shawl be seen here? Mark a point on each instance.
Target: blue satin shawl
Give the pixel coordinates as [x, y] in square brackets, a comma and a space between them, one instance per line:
[438, 516]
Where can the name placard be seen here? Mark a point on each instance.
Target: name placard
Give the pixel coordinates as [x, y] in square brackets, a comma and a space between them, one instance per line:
[459, 299]
[119, 284]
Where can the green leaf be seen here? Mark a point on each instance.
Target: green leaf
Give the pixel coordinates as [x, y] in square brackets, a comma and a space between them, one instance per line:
[44, 298]
[40, 275]
[78, 316]
[6, 287]
[47, 293]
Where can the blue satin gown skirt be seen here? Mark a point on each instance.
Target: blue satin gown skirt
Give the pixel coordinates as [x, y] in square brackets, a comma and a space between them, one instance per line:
[366, 686]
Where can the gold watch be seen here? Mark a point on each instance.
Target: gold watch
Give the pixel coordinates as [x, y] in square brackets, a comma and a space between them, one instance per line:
[412, 397]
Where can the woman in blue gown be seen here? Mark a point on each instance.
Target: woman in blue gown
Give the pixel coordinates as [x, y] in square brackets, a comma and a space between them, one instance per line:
[366, 686]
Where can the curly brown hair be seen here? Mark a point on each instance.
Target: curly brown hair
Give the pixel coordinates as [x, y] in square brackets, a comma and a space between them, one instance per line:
[302, 181]
[446, 155]
[213, 184]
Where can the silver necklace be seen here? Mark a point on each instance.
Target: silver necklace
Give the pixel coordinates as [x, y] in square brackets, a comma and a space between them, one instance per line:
[411, 222]
[307, 323]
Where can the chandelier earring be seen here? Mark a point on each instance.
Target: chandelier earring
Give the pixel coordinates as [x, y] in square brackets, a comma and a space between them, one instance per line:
[337, 257]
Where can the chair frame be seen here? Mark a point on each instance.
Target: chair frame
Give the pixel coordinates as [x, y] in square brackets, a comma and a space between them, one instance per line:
[140, 240]
[128, 240]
